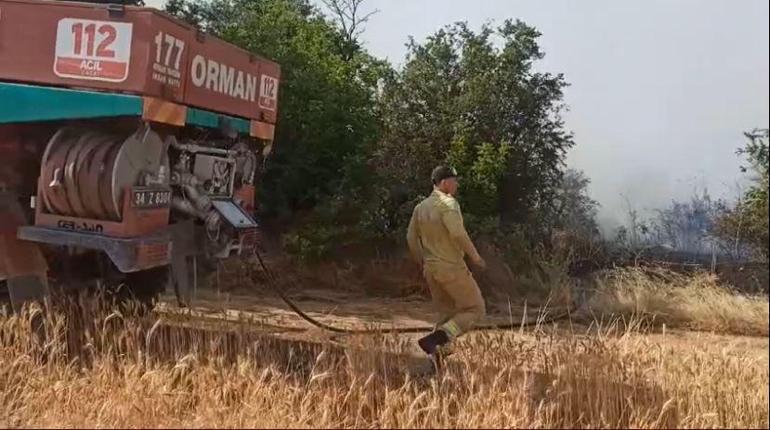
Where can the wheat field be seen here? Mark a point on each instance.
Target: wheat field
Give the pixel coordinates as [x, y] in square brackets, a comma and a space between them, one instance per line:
[100, 368]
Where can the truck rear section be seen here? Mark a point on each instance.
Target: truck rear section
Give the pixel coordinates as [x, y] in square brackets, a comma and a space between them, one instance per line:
[130, 146]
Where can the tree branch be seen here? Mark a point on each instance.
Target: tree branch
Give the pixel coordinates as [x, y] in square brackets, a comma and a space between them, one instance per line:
[346, 15]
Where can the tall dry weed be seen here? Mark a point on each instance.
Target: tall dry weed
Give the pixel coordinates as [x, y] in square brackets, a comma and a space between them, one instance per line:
[696, 302]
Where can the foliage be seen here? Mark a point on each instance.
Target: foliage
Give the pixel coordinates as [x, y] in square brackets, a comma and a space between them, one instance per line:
[574, 210]
[748, 221]
[462, 99]
[313, 244]
[482, 167]
[350, 18]
[356, 140]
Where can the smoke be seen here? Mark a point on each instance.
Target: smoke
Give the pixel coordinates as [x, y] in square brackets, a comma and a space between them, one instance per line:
[647, 189]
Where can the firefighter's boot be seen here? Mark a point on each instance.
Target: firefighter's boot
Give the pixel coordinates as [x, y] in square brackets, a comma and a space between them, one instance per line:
[431, 343]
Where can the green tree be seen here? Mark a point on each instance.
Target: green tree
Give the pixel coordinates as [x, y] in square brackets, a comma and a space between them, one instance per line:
[574, 210]
[747, 223]
[464, 99]
[328, 117]
[356, 139]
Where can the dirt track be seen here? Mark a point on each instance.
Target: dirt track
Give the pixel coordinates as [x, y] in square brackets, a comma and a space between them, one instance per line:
[268, 314]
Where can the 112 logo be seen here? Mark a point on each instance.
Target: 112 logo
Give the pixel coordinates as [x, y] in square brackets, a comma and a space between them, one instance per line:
[93, 50]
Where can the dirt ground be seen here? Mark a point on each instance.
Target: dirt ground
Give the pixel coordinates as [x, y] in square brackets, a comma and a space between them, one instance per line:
[263, 309]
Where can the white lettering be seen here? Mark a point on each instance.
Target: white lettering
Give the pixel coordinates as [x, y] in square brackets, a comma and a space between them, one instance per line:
[223, 79]
[198, 70]
[251, 88]
[226, 76]
[91, 65]
[239, 91]
[211, 79]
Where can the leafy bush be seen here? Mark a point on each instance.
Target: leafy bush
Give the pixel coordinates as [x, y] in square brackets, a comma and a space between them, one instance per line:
[461, 99]
[748, 221]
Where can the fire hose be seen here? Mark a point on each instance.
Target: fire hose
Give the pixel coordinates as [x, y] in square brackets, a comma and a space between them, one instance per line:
[272, 284]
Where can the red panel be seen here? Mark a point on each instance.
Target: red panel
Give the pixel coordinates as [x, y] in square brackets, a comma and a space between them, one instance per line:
[268, 104]
[168, 42]
[73, 44]
[140, 51]
[230, 78]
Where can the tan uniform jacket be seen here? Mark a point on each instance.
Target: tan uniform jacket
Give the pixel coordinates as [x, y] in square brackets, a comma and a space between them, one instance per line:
[436, 235]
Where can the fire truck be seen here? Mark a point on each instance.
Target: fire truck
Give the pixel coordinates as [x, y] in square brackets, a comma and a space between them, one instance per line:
[130, 147]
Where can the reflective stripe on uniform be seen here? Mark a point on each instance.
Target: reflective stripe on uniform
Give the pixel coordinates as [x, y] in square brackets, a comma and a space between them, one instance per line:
[451, 328]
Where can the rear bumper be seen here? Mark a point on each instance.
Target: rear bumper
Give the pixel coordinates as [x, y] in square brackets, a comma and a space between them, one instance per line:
[128, 254]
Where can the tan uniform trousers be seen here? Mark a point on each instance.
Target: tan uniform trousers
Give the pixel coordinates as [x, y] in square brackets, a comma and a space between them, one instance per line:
[456, 297]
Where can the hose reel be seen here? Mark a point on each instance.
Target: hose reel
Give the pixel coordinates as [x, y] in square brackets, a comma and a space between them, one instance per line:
[84, 173]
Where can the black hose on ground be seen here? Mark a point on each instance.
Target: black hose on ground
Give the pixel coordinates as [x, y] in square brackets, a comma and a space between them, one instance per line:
[272, 285]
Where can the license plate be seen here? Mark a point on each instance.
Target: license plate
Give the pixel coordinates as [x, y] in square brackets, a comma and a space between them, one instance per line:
[147, 199]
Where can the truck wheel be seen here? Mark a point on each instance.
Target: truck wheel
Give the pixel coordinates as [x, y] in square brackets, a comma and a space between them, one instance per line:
[145, 287]
[137, 291]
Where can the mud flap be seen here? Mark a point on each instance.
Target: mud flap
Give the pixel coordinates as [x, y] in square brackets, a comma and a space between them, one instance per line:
[22, 264]
[26, 289]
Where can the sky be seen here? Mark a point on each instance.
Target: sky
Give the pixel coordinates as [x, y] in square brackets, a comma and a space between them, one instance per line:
[660, 90]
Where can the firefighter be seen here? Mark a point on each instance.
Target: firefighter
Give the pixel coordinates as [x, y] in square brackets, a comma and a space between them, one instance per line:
[438, 242]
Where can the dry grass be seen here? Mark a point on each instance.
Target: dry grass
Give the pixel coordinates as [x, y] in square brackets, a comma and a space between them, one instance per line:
[135, 372]
[696, 302]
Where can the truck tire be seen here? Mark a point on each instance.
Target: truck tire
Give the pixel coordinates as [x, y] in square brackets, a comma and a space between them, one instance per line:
[145, 287]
